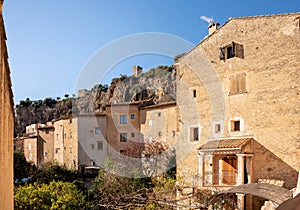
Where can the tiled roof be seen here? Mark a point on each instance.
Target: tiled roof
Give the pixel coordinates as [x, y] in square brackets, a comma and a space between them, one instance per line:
[225, 143]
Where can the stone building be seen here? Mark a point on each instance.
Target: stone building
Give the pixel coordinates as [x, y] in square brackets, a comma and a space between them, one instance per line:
[159, 130]
[238, 96]
[6, 124]
[38, 143]
[80, 141]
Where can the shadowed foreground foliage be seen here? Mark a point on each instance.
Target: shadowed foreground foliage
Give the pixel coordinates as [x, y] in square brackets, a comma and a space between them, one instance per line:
[55, 195]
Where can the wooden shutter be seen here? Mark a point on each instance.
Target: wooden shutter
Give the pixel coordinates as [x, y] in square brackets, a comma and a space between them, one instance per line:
[239, 50]
[233, 49]
[222, 53]
[233, 85]
[241, 83]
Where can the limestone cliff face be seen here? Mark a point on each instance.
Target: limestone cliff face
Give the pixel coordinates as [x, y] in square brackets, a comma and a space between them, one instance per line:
[154, 86]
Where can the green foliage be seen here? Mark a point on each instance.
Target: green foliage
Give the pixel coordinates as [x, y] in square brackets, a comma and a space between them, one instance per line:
[53, 171]
[22, 168]
[55, 195]
[49, 102]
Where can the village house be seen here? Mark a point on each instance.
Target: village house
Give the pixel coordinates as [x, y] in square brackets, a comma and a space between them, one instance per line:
[159, 130]
[6, 124]
[238, 96]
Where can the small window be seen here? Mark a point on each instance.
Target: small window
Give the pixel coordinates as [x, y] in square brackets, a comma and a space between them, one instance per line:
[217, 128]
[159, 114]
[150, 140]
[91, 133]
[123, 119]
[237, 84]
[100, 145]
[71, 134]
[46, 154]
[92, 146]
[159, 133]
[173, 133]
[232, 50]
[70, 120]
[123, 151]
[132, 116]
[235, 125]
[194, 93]
[123, 137]
[194, 134]
[56, 136]
[93, 163]
[57, 150]
[151, 122]
[132, 135]
[97, 131]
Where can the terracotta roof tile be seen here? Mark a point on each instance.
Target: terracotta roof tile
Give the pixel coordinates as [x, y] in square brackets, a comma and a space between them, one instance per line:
[225, 143]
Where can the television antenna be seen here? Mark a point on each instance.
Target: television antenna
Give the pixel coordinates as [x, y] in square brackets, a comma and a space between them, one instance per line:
[209, 20]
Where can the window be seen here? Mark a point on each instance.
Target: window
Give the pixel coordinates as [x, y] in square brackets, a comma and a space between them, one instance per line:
[56, 136]
[194, 93]
[194, 134]
[46, 154]
[150, 140]
[237, 84]
[97, 131]
[151, 122]
[235, 125]
[173, 133]
[132, 134]
[159, 133]
[91, 133]
[71, 135]
[232, 50]
[123, 137]
[100, 145]
[159, 114]
[123, 151]
[132, 116]
[57, 150]
[123, 119]
[92, 146]
[217, 128]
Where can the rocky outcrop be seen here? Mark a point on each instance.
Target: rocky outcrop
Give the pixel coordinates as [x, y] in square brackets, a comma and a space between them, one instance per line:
[155, 86]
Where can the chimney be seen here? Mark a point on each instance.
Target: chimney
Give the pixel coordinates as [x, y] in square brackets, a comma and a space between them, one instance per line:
[137, 70]
[213, 27]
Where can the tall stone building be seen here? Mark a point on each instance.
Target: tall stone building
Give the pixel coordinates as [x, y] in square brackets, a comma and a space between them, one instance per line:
[6, 124]
[238, 94]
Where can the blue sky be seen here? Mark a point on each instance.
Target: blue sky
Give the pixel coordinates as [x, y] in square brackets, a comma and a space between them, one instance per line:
[50, 41]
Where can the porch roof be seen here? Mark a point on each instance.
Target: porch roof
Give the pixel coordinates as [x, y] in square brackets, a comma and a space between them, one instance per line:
[236, 143]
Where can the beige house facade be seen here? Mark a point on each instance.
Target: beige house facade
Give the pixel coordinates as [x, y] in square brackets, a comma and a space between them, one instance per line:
[6, 124]
[238, 96]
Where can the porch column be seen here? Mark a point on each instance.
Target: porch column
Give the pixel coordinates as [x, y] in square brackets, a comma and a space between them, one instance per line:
[240, 201]
[209, 170]
[201, 169]
[240, 168]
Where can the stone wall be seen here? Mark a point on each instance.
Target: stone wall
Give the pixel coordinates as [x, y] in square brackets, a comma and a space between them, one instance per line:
[268, 110]
[6, 124]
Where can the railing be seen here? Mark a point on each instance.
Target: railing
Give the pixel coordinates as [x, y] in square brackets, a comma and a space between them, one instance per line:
[225, 178]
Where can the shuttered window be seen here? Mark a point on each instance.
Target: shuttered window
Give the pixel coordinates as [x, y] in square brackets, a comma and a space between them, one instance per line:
[237, 84]
[232, 50]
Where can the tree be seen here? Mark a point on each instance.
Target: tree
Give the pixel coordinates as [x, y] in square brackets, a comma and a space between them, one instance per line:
[55, 195]
[67, 95]
[53, 171]
[22, 169]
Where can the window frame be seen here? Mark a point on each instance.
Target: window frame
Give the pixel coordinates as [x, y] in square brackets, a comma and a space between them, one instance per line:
[123, 137]
[192, 132]
[123, 119]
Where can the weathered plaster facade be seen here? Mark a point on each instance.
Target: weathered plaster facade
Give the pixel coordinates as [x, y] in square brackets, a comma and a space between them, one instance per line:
[6, 124]
[242, 81]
